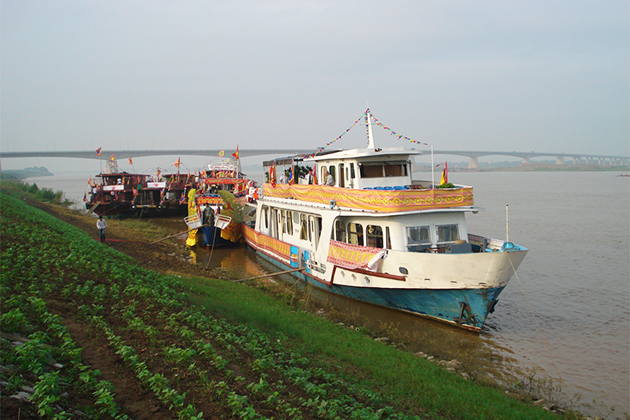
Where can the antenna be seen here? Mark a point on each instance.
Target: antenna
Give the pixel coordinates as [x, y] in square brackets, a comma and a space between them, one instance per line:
[507, 224]
[368, 121]
[432, 169]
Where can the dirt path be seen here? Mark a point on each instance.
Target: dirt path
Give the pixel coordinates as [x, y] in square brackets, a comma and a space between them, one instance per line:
[164, 257]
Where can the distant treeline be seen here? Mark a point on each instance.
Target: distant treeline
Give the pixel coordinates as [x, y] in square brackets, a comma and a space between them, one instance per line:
[26, 173]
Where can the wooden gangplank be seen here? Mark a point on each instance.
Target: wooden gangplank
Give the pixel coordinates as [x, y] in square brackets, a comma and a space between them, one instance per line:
[93, 208]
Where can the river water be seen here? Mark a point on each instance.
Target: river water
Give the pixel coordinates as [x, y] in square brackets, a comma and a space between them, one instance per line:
[565, 316]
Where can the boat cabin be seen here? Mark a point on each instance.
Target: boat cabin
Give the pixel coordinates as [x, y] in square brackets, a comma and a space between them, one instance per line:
[389, 168]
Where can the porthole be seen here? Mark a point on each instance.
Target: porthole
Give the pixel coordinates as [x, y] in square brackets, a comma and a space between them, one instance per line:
[403, 270]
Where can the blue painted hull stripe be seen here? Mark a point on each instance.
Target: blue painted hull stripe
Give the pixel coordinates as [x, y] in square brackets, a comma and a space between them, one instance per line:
[441, 304]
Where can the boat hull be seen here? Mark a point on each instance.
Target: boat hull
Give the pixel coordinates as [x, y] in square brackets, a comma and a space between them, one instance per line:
[211, 237]
[464, 308]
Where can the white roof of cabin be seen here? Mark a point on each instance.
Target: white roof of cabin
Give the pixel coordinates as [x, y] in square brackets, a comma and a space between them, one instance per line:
[395, 152]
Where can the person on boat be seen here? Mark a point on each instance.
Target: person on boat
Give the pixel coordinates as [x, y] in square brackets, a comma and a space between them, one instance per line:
[208, 216]
[309, 177]
[101, 224]
[330, 181]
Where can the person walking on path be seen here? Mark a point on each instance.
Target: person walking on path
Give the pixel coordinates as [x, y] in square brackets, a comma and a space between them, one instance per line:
[101, 224]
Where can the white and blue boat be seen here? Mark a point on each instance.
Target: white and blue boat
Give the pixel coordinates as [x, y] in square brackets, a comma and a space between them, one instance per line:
[376, 235]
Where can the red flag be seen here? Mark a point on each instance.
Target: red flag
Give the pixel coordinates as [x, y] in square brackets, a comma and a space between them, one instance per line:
[315, 174]
[444, 175]
[272, 175]
[98, 151]
[178, 163]
[235, 154]
[130, 161]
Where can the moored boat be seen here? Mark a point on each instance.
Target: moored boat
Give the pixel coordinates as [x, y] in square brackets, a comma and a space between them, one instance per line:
[369, 232]
[221, 187]
[122, 193]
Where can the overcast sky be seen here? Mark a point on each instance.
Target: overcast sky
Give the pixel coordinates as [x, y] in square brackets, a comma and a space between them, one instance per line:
[544, 76]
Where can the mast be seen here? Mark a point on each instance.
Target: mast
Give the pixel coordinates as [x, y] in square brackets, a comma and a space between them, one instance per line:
[368, 121]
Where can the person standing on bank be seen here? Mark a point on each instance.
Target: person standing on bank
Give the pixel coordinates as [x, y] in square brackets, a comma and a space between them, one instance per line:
[101, 224]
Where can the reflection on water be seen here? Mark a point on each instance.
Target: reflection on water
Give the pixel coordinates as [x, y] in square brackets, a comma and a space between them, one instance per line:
[234, 261]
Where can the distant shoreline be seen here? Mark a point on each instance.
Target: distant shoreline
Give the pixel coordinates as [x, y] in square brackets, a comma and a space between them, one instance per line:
[537, 167]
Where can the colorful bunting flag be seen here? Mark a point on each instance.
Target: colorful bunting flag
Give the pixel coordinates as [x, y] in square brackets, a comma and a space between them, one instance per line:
[291, 175]
[178, 163]
[112, 158]
[235, 154]
[221, 153]
[130, 161]
[98, 151]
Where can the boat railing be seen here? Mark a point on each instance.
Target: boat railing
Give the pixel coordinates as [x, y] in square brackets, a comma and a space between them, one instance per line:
[457, 247]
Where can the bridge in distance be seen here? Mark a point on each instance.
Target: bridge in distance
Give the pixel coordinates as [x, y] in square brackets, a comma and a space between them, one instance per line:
[243, 153]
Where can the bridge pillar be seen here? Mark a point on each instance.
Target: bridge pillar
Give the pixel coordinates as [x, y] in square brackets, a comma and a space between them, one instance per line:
[473, 163]
[560, 160]
[576, 160]
[526, 161]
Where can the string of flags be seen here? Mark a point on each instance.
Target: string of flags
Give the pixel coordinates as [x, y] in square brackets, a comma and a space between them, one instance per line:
[338, 137]
[367, 115]
[392, 132]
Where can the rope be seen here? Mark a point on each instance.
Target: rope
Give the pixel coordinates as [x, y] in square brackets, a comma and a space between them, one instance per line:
[543, 338]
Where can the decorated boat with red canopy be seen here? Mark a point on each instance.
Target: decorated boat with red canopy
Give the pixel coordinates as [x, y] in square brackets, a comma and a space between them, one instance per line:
[221, 187]
[123, 193]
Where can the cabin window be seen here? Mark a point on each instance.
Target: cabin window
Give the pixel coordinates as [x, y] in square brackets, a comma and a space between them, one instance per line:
[371, 171]
[315, 230]
[380, 170]
[340, 231]
[303, 227]
[275, 223]
[342, 183]
[352, 175]
[397, 169]
[374, 236]
[355, 233]
[447, 233]
[283, 221]
[265, 216]
[289, 223]
[418, 235]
